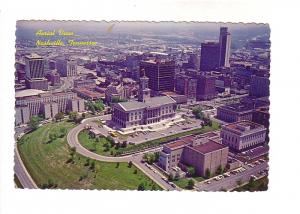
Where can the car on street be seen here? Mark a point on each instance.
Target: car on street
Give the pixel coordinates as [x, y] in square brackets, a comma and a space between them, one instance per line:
[227, 174]
[172, 184]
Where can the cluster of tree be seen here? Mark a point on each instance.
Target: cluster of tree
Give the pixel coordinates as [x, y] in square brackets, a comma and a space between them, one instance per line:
[72, 152]
[150, 158]
[60, 134]
[96, 106]
[207, 173]
[34, 122]
[191, 184]
[198, 112]
[191, 171]
[90, 164]
[220, 170]
[82, 177]
[59, 116]
[141, 187]
[49, 185]
[206, 122]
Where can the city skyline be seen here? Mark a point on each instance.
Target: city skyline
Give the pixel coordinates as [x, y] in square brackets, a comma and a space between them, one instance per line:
[171, 106]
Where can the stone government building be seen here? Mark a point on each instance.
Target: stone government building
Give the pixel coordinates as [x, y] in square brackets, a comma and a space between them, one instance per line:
[147, 110]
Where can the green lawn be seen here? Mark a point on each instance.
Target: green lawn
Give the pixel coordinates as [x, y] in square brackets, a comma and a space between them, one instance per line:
[98, 145]
[182, 182]
[52, 163]
[91, 143]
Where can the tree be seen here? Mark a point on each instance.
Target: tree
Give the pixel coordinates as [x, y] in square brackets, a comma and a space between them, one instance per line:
[170, 177]
[34, 122]
[99, 106]
[135, 171]
[141, 187]
[198, 113]
[90, 107]
[124, 144]
[153, 187]
[118, 164]
[52, 136]
[130, 164]
[191, 171]
[111, 140]
[63, 131]
[191, 184]
[219, 170]
[207, 173]
[59, 116]
[73, 116]
[251, 181]
[92, 166]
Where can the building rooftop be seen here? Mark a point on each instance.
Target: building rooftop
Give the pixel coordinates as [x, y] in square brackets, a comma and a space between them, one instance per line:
[237, 107]
[176, 144]
[208, 147]
[151, 103]
[243, 126]
[28, 93]
[33, 56]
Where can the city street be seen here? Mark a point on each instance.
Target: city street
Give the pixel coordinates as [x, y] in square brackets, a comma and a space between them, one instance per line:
[231, 182]
[21, 172]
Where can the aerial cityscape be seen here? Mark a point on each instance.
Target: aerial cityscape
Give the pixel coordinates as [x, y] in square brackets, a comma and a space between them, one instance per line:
[142, 105]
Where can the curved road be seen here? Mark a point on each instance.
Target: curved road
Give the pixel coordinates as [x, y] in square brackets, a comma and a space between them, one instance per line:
[72, 139]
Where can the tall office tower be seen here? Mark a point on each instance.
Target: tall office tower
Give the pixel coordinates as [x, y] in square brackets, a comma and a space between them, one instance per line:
[66, 68]
[259, 86]
[144, 91]
[210, 52]
[225, 43]
[161, 74]
[34, 66]
[35, 72]
[206, 87]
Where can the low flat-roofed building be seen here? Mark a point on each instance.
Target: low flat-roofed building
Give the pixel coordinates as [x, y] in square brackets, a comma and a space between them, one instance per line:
[201, 152]
[37, 83]
[179, 98]
[88, 94]
[243, 135]
[234, 112]
[46, 104]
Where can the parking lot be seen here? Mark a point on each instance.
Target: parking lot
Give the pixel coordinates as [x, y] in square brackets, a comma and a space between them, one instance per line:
[142, 136]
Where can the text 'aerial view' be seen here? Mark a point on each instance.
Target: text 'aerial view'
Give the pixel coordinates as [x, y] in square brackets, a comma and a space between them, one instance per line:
[142, 105]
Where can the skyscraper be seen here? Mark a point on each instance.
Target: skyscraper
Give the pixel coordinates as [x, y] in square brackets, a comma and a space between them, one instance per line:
[35, 72]
[34, 66]
[210, 52]
[161, 74]
[206, 87]
[225, 43]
